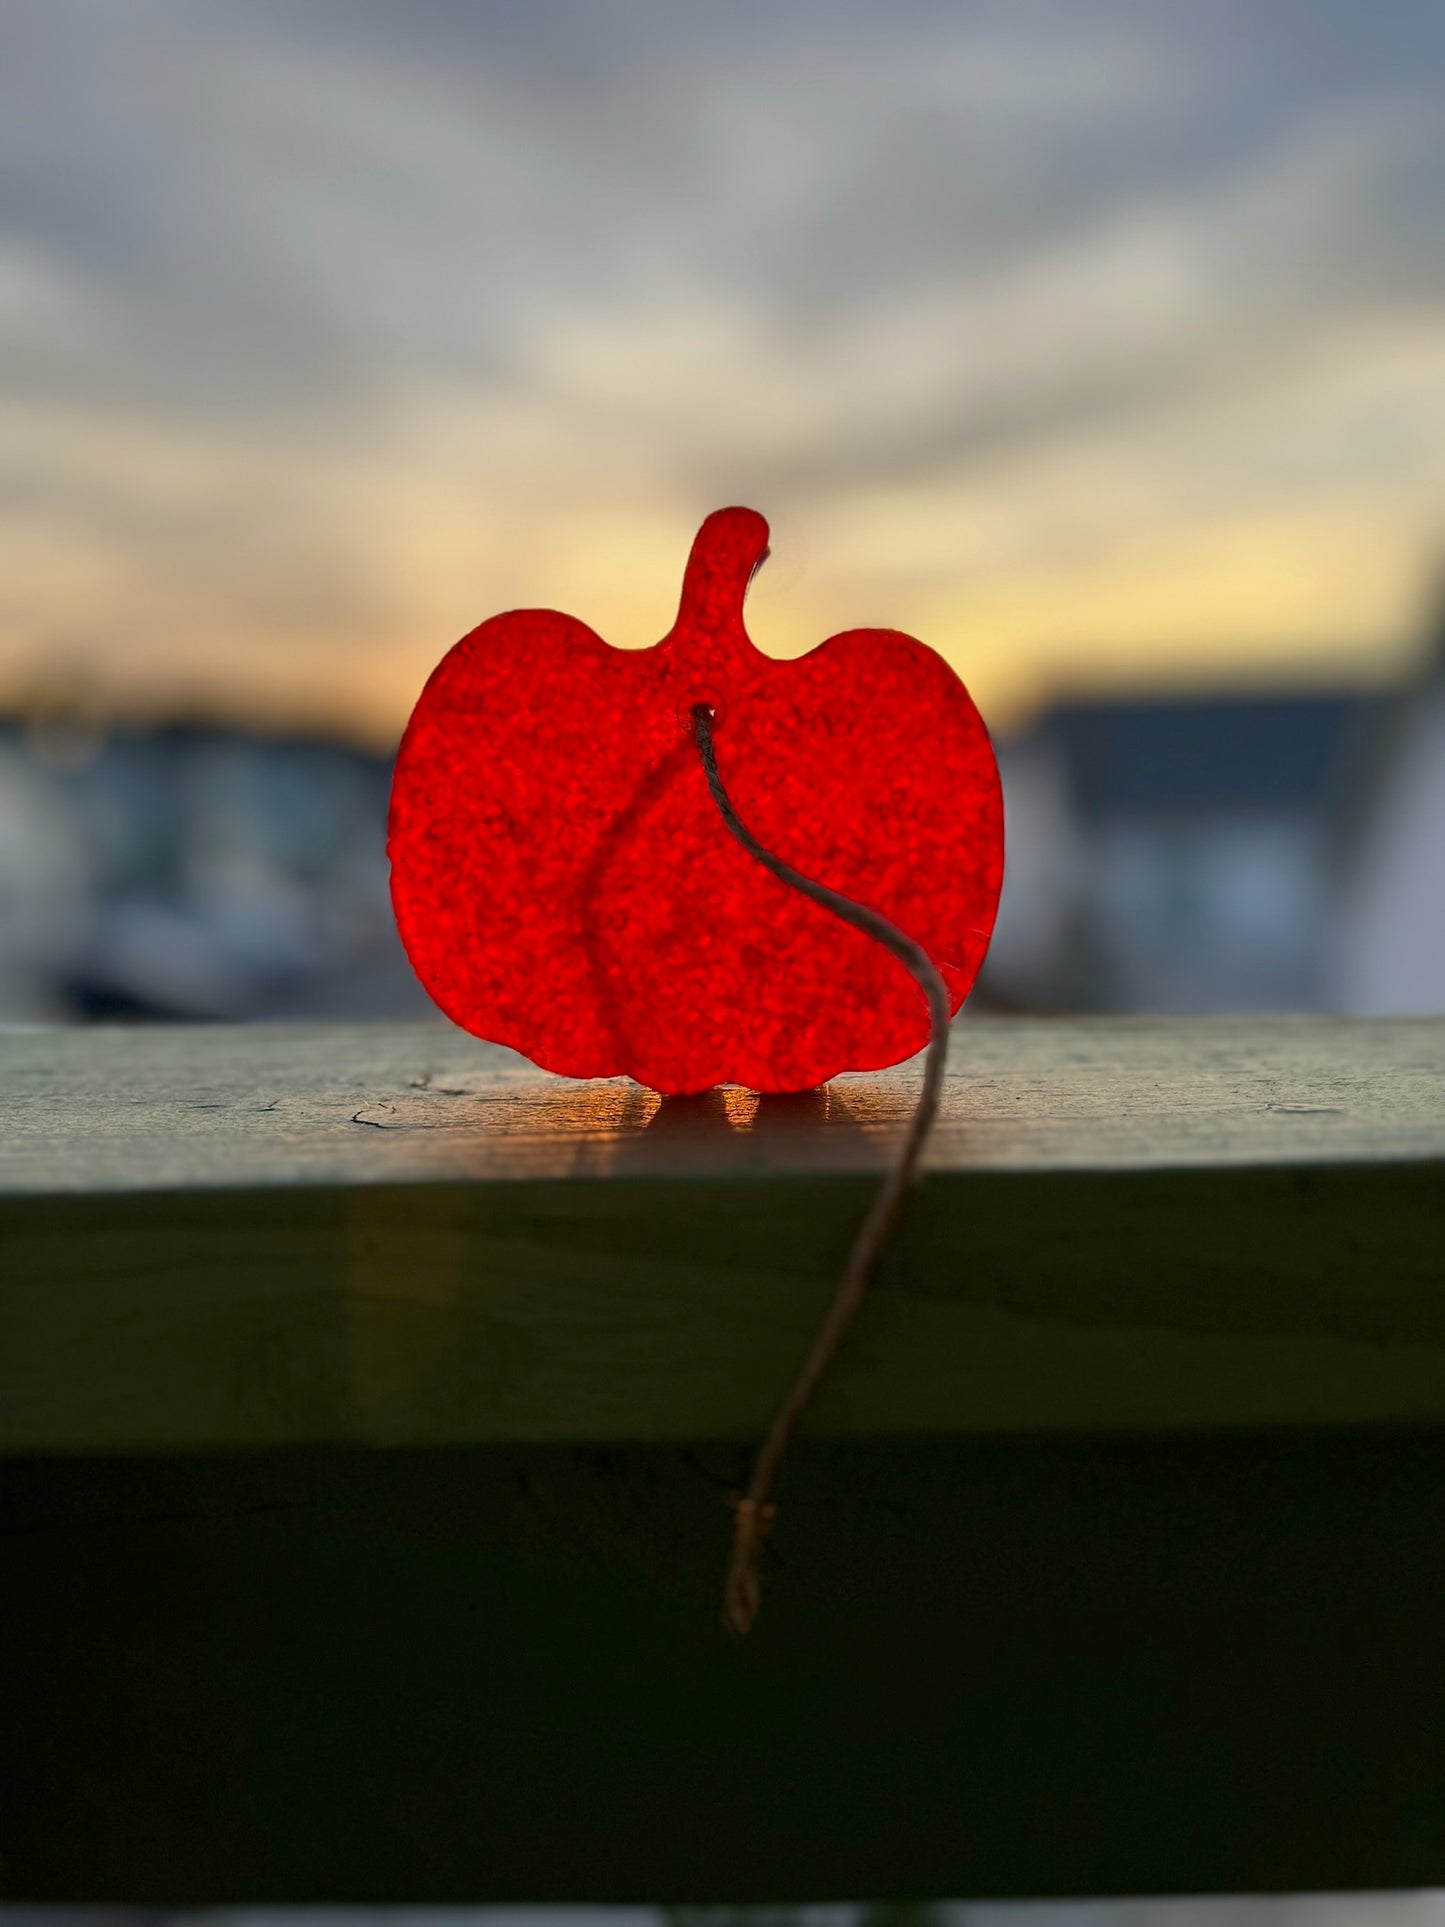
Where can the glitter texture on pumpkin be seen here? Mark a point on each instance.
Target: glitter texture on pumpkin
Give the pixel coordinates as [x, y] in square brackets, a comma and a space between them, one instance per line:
[563, 882]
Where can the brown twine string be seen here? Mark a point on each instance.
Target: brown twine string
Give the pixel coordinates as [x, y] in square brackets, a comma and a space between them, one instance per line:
[754, 1512]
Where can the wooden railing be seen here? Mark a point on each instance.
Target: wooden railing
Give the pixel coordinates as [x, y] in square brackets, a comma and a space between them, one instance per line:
[370, 1405]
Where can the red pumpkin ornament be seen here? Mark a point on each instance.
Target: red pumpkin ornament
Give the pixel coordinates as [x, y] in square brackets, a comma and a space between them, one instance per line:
[564, 883]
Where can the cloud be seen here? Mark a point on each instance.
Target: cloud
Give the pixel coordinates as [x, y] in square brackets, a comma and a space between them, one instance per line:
[333, 326]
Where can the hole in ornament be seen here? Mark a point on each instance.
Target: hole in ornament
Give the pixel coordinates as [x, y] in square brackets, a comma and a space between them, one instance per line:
[700, 696]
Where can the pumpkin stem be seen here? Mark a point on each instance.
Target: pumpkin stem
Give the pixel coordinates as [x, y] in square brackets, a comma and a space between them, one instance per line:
[727, 552]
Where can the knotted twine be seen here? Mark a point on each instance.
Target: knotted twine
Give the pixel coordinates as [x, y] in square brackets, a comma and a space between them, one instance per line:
[753, 1513]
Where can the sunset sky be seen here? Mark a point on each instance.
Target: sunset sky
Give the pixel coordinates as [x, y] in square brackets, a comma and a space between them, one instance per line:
[1097, 342]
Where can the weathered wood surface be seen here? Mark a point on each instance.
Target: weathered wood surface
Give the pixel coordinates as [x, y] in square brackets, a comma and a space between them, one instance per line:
[193, 1108]
[397, 1236]
[362, 1484]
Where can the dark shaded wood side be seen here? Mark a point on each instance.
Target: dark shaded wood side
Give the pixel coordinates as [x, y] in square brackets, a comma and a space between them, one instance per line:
[1046, 1666]
[677, 1309]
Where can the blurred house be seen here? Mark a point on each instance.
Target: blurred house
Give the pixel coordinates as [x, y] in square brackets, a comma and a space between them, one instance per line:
[1388, 956]
[190, 871]
[1178, 855]
[1271, 852]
